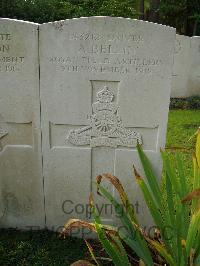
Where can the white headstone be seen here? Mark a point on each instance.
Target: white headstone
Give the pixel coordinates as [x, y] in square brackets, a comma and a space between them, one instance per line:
[194, 78]
[181, 68]
[21, 183]
[105, 84]
[186, 69]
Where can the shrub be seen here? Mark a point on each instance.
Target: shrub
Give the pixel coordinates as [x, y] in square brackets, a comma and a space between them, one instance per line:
[194, 102]
[185, 103]
[179, 211]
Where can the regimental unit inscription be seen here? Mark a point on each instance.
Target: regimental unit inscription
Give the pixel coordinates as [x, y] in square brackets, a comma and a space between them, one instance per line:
[106, 127]
[122, 65]
[9, 61]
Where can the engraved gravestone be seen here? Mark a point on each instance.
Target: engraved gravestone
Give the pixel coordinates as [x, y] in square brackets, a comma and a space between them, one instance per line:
[21, 184]
[105, 85]
[186, 71]
[194, 77]
[181, 67]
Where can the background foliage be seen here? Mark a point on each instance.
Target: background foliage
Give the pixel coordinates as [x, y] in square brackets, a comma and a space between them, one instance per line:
[189, 103]
[184, 15]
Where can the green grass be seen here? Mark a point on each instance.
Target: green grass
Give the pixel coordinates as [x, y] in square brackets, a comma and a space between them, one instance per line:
[182, 125]
[46, 248]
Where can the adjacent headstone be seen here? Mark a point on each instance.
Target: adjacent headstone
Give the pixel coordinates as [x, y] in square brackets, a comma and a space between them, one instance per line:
[105, 85]
[181, 67]
[186, 70]
[194, 78]
[21, 182]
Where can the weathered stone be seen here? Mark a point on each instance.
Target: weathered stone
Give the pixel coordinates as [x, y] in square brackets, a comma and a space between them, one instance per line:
[181, 68]
[186, 70]
[194, 78]
[21, 182]
[105, 83]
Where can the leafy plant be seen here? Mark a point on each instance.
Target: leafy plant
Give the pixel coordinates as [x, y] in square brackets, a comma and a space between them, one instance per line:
[178, 211]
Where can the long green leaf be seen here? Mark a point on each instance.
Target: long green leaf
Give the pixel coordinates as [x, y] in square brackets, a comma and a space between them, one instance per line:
[181, 173]
[150, 176]
[197, 245]
[192, 236]
[184, 187]
[124, 198]
[132, 236]
[154, 210]
[196, 184]
[122, 250]
[170, 200]
[163, 252]
[171, 171]
[179, 228]
[131, 232]
[118, 256]
[109, 248]
[169, 217]
[198, 147]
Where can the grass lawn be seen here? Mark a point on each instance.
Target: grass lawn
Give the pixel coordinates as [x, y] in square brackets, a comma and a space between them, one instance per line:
[182, 125]
[45, 248]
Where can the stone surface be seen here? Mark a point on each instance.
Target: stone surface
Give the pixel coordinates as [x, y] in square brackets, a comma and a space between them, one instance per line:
[105, 83]
[194, 78]
[186, 71]
[21, 183]
[181, 68]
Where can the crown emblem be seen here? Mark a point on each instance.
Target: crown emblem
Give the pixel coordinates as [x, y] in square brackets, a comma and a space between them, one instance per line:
[105, 95]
